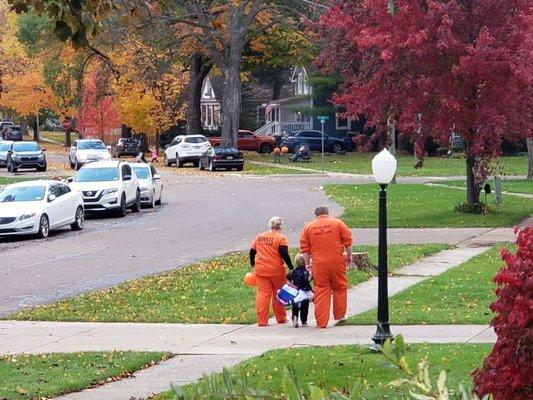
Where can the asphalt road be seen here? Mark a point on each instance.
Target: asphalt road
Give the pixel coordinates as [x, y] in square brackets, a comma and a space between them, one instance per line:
[202, 217]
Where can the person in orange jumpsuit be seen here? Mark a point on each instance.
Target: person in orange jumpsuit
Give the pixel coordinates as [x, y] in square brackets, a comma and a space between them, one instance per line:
[324, 240]
[267, 254]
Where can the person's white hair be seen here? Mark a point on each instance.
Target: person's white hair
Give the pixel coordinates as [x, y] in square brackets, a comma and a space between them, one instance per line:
[275, 223]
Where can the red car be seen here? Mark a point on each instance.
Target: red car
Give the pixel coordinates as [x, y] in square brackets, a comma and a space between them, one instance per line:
[247, 140]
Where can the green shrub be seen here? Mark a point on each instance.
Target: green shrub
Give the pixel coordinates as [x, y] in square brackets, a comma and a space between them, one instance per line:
[477, 208]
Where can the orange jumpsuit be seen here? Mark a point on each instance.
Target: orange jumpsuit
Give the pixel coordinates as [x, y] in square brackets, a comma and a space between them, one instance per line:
[325, 239]
[271, 276]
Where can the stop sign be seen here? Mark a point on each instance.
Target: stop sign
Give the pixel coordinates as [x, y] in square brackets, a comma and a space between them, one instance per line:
[66, 124]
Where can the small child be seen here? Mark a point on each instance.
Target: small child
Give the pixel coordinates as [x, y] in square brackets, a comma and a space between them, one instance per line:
[155, 154]
[301, 278]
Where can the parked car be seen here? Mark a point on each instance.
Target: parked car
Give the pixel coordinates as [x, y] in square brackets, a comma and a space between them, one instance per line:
[37, 207]
[186, 149]
[3, 126]
[108, 186]
[87, 150]
[222, 157]
[247, 140]
[12, 132]
[314, 140]
[150, 184]
[5, 146]
[125, 147]
[25, 155]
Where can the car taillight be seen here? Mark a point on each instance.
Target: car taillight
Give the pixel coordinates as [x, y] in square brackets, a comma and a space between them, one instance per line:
[217, 157]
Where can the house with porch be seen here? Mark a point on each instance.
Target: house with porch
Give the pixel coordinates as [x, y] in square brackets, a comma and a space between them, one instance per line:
[294, 111]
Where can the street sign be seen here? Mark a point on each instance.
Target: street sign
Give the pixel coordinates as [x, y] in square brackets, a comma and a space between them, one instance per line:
[66, 124]
[323, 118]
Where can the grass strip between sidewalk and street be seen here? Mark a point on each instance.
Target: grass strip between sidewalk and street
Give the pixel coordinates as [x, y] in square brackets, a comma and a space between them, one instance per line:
[251, 168]
[422, 206]
[26, 376]
[361, 163]
[512, 186]
[461, 295]
[206, 292]
[339, 368]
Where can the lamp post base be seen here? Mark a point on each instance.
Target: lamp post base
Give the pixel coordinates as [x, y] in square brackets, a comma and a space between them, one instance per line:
[382, 334]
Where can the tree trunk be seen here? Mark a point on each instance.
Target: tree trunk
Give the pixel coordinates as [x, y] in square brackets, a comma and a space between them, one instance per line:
[67, 138]
[199, 70]
[36, 128]
[472, 188]
[125, 131]
[231, 102]
[529, 142]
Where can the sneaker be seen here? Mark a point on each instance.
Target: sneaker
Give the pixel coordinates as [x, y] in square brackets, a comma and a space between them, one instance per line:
[295, 321]
[304, 324]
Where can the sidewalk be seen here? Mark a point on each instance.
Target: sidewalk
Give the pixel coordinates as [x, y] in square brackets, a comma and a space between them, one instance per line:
[202, 349]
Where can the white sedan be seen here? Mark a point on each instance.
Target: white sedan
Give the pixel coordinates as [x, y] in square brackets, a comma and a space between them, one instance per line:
[37, 207]
[150, 184]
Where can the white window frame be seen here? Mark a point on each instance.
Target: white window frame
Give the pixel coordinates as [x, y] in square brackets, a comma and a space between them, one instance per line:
[346, 127]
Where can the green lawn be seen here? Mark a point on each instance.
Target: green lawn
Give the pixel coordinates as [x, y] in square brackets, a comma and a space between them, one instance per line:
[340, 367]
[206, 292]
[361, 163]
[8, 181]
[56, 136]
[513, 186]
[26, 376]
[422, 206]
[461, 295]
[257, 169]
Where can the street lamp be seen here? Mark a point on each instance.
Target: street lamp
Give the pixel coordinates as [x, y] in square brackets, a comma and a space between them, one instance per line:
[384, 169]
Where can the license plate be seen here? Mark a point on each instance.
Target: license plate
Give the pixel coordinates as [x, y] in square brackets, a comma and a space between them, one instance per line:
[197, 147]
[230, 157]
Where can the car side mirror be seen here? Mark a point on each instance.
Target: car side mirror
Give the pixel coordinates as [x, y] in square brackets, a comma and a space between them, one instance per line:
[157, 176]
[108, 147]
[70, 180]
[51, 197]
[43, 149]
[167, 146]
[127, 177]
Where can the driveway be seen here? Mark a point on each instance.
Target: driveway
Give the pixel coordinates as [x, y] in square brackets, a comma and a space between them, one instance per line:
[202, 217]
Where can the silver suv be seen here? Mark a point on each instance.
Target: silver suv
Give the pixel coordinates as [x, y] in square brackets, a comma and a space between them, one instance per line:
[108, 186]
[87, 150]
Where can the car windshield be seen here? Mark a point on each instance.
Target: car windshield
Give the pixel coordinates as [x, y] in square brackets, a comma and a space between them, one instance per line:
[22, 193]
[97, 174]
[142, 172]
[25, 146]
[197, 139]
[92, 145]
[5, 146]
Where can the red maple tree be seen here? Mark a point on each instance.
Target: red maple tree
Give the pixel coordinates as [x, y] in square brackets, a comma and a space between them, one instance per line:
[506, 372]
[436, 67]
[97, 114]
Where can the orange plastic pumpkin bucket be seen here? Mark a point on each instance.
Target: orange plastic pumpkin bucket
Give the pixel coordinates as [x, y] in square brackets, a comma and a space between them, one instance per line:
[250, 279]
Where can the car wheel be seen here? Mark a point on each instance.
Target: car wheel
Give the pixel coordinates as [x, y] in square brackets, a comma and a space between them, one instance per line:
[71, 163]
[179, 163]
[166, 162]
[160, 201]
[240, 168]
[136, 207]
[121, 212]
[200, 165]
[265, 148]
[44, 227]
[196, 163]
[42, 169]
[79, 220]
[337, 148]
[212, 167]
[76, 165]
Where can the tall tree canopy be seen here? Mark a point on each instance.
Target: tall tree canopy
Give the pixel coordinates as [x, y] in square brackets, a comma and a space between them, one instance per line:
[436, 67]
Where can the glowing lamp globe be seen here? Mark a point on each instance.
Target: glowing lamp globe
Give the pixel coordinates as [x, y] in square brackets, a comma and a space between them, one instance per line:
[384, 167]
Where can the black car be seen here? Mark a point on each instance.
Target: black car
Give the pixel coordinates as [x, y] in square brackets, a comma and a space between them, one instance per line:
[12, 133]
[3, 126]
[314, 140]
[223, 158]
[125, 147]
[25, 155]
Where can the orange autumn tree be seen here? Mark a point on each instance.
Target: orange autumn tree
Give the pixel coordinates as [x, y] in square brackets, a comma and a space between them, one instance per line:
[97, 114]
